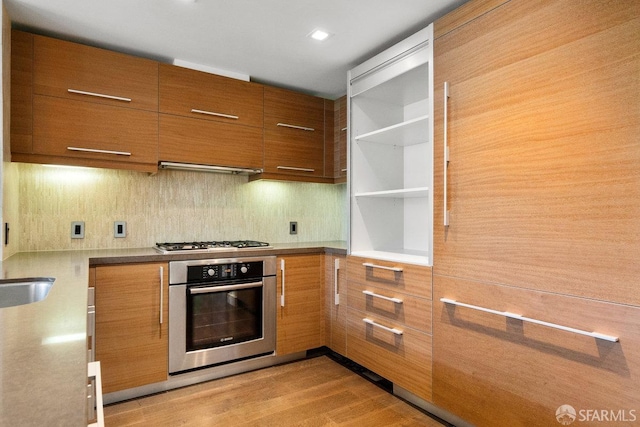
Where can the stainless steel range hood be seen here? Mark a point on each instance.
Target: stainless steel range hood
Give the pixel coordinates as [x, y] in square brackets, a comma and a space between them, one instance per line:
[208, 168]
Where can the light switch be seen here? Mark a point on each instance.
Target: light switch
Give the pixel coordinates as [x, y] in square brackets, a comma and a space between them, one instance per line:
[77, 230]
[119, 229]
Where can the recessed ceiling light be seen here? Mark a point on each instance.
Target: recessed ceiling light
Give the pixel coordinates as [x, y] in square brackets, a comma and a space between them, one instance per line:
[319, 35]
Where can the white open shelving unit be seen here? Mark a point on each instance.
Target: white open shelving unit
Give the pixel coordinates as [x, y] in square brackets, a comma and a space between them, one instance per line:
[391, 153]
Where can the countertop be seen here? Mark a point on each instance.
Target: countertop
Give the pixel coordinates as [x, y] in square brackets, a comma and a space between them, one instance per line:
[43, 345]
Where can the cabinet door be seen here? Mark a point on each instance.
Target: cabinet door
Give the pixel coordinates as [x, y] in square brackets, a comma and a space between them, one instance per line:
[106, 135]
[131, 324]
[21, 92]
[494, 370]
[207, 96]
[189, 140]
[300, 303]
[294, 133]
[79, 72]
[543, 180]
[336, 289]
[340, 137]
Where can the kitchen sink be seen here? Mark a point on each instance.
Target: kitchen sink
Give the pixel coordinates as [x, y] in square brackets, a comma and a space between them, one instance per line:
[24, 291]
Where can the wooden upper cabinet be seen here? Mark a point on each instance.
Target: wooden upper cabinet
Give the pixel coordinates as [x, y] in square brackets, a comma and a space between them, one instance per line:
[21, 91]
[78, 72]
[340, 138]
[543, 178]
[293, 133]
[195, 94]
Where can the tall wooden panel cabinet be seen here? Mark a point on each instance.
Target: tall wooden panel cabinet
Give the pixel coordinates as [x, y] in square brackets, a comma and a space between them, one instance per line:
[537, 172]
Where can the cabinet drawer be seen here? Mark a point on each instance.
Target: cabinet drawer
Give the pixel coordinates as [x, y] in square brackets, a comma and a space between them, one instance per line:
[188, 140]
[60, 124]
[394, 306]
[212, 97]
[493, 370]
[406, 278]
[60, 66]
[403, 359]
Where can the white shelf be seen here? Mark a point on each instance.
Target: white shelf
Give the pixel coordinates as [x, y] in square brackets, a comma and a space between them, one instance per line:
[410, 132]
[401, 255]
[403, 193]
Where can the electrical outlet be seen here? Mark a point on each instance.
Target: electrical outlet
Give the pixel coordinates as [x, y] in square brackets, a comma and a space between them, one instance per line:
[77, 230]
[119, 229]
[293, 227]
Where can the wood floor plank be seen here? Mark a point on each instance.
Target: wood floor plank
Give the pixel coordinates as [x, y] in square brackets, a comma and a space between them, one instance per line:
[308, 393]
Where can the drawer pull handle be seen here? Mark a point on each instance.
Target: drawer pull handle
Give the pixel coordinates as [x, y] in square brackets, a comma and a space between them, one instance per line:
[98, 95]
[378, 325]
[286, 125]
[530, 320]
[382, 267]
[95, 150]
[291, 168]
[211, 113]
[336, 275]
[372, 294]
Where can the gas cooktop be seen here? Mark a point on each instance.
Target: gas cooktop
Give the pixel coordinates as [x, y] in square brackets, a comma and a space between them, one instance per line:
[212, 246]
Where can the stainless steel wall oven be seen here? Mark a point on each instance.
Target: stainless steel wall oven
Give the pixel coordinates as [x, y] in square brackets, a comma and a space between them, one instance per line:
[221, 310]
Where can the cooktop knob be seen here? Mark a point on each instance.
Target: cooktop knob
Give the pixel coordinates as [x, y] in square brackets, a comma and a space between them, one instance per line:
[211, 272]
[244, 269]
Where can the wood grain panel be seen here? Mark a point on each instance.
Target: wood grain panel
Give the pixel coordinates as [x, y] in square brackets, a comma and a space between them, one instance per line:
[341, 140]
[494, 371]
[403, 359]
[60, 65]
[189, 140]
[60, 123]
[329, 138]
[131, 344]
[300, 322]
[463, 15]
[182, 90]
[21, 92]
[336, 313]
[544, 172]
[413, 280]
[293, 147]
[413, 311]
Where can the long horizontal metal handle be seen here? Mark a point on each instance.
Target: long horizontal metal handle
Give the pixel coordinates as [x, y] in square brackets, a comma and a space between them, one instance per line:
[286, 125]
[378, 325]
[225, 288]
[95, 150]
[211, 113]
[382, 267]
[292, 168]
[99, 95]
[530, 320]
[373, 294]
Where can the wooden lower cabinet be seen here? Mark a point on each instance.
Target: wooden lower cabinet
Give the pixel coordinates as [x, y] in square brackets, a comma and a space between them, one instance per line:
[389, 321]
[300, 321]
[336, 303]
[496, 371]
[131, 324]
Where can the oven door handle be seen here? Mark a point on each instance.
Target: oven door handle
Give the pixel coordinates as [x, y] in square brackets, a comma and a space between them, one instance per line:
[212, 289]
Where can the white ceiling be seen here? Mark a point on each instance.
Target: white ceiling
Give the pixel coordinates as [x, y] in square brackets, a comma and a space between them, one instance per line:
[266, 39]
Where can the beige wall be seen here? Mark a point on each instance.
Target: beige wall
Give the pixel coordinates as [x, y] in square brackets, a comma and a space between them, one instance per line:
[169, 206]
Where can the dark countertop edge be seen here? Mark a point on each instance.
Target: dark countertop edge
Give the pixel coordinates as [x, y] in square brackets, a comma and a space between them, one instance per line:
[128, 256]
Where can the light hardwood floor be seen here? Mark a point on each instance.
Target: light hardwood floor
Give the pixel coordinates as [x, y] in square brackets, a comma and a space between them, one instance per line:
[311, 392]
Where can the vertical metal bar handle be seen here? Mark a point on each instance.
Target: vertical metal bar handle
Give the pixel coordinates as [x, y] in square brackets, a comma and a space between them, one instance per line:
[336, 293]
[282, 273]
[161, 292]
[446, 153]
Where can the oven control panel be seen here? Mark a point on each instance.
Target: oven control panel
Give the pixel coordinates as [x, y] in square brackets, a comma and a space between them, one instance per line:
[218, 272]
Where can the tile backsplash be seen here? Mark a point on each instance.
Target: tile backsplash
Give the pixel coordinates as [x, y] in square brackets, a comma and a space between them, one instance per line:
[170, 206]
